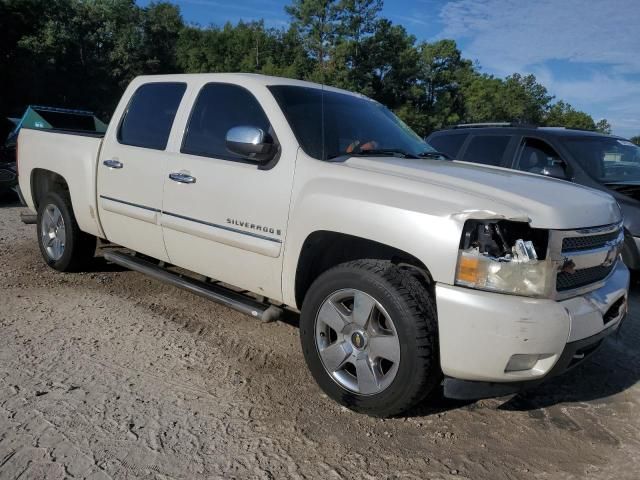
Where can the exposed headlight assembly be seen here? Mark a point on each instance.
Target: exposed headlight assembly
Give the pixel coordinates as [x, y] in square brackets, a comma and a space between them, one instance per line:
[504, 256]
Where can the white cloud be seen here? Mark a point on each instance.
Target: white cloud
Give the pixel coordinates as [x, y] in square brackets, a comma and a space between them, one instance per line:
[540, 37]
[508, 35]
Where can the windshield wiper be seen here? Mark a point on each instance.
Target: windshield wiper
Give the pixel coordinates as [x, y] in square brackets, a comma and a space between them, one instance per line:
[395, 152]
[434, 154]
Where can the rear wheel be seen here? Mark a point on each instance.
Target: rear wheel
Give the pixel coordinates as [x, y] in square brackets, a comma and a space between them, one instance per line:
[369, 335]
[63, 245]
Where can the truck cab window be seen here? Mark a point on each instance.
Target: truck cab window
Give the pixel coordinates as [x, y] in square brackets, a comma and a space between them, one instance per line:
[218, 108]
[486, 149]
[536, 155]
[330, 124]
[148, 119]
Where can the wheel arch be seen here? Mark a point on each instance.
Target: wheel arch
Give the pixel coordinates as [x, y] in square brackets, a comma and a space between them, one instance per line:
[44, 181]
[324, 249]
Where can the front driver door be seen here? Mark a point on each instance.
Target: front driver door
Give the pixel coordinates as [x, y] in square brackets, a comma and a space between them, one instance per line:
[225, 216]
[131, 168]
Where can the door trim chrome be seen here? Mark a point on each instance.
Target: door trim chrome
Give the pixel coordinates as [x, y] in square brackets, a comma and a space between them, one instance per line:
[113, 163]
[182, 178]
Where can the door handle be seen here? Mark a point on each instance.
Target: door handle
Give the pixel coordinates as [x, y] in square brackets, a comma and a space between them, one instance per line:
[112, 164]
[182, 178]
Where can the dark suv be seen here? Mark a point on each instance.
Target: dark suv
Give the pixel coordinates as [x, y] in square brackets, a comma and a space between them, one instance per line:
[604, 162]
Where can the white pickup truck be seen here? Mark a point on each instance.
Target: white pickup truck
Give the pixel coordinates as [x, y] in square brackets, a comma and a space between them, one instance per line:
[408, 270]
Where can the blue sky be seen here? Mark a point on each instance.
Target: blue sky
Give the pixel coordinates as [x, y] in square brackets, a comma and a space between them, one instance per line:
[586, 52]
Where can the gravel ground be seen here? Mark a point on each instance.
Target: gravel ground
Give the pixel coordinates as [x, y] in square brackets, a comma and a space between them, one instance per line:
[112, 375]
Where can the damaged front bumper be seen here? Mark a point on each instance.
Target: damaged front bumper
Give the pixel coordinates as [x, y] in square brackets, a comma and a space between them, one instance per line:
[481, 333]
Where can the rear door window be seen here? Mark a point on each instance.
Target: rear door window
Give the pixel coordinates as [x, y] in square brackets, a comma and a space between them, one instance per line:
[536, 155]
[449, 144]
[487, 149]
[148, 119]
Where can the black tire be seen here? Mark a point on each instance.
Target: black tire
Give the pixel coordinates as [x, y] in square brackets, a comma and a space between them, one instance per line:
[413, 313]
[79, 247]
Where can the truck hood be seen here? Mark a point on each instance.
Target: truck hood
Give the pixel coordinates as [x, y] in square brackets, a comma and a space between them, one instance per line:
[479, 191]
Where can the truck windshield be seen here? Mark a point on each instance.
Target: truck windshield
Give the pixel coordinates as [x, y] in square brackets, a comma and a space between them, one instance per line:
[329, 124]
[606, 159]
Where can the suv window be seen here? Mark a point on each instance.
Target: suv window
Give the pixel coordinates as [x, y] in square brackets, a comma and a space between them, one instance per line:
[486, 149]
[536, 155]
[448, 143]
[218, 108]
[149, 116]
[606, 159]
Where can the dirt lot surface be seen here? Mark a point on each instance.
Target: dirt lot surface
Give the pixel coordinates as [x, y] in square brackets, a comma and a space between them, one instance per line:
[112, 375]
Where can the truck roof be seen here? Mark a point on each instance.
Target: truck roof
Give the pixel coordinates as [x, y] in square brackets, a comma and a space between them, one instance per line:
[507, 128]
[254, 79]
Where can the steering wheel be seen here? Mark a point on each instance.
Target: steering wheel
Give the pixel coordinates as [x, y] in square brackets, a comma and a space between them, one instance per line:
[357, 147]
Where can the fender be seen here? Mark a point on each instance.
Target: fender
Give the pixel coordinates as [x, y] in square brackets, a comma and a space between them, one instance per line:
[342, 200]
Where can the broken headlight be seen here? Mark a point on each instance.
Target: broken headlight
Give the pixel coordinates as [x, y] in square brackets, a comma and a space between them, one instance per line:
[504, 256]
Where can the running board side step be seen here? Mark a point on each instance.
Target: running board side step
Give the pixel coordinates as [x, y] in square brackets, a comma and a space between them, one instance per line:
[217, 293]
[28, 218]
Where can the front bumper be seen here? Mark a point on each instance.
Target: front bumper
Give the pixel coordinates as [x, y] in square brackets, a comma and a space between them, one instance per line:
[573, 354]
[480, 331]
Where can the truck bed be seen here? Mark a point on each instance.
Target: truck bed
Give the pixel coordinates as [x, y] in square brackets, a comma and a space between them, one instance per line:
[70, 154]
[81, 133]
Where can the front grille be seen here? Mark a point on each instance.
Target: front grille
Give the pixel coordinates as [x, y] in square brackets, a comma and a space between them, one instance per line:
[582, 277]
[572, 244]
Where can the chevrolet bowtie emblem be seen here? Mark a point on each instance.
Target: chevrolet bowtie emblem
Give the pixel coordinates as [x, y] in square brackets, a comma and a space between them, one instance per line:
[568, 266]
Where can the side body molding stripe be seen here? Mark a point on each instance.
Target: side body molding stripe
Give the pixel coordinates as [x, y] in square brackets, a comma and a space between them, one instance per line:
[128, 209]
[224, 227]
[194, 226]
[129, 203]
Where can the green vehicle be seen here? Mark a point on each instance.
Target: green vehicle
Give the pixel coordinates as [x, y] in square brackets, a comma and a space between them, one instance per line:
[47, 118]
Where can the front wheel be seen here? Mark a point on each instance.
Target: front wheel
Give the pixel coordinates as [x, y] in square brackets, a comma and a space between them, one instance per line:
[63, 245]
[369, 335]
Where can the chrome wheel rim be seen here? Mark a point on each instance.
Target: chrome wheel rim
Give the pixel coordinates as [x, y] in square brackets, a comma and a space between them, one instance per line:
[357, 342]
[52, 232]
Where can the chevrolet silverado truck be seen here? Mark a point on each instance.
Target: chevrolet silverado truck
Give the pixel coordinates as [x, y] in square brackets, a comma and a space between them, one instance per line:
[409, 271]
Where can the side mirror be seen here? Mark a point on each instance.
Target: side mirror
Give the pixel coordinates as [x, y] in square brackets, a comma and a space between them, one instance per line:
[555, 170]
[251, 143]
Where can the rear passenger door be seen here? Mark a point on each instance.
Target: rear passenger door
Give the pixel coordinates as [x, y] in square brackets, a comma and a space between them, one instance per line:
[132, 164]
[489, 149]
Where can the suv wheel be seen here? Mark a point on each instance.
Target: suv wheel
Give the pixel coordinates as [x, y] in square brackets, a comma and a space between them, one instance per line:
[369, 335]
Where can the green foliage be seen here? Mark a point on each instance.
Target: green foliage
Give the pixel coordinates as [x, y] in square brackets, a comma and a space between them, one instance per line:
[603, 126]
[82, 53]
[317, 24]
[564, 115]
[636, 139]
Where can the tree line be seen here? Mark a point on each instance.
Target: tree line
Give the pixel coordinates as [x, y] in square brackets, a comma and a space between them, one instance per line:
[82, 54]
